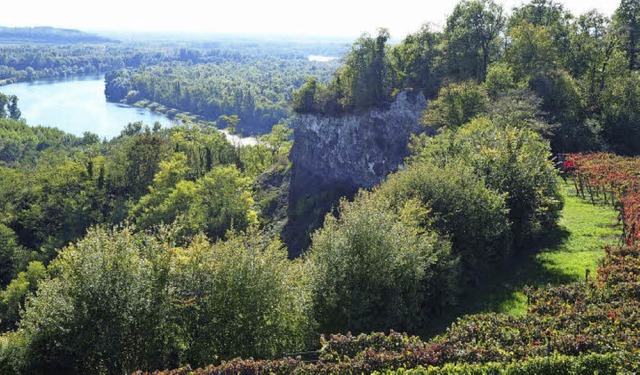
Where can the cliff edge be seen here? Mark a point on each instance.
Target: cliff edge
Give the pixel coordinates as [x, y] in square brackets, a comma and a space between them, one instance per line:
[335, 156]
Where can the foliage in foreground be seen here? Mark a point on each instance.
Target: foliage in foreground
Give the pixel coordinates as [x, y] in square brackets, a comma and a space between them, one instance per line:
[568, 329]
[583, 327]
[118, 301]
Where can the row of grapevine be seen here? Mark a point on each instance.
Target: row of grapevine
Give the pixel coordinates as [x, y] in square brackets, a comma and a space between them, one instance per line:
[615, 179]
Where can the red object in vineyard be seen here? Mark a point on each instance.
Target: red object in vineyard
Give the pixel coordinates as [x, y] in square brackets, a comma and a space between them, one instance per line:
[614, 178]
[568, 166]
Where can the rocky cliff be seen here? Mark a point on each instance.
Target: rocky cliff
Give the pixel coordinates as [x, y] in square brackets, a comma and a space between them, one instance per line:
[335, 156]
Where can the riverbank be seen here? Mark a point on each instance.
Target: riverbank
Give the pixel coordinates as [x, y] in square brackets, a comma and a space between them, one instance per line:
[237, 140]
[77, 105]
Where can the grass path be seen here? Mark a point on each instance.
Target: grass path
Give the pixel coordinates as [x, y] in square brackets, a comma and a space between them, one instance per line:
[564, 256]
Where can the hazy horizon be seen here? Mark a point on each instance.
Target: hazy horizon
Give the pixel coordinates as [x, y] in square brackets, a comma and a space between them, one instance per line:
[333, 18]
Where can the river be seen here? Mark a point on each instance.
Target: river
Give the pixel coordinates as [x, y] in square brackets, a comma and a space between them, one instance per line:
[77, 105]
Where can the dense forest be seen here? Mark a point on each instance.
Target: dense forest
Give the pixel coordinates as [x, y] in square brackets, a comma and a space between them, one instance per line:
[161, 247]
[256, 90]
[27, 62]
[253, 80]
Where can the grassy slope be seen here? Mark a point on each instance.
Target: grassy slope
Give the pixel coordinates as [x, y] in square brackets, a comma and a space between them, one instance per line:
[577, 245]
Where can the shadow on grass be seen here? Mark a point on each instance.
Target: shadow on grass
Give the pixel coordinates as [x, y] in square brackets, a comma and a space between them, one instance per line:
[502, 289]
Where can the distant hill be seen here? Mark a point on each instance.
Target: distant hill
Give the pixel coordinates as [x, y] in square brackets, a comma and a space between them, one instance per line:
[48, 35]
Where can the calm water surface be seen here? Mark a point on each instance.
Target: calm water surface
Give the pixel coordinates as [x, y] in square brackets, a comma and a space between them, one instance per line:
[77, 105]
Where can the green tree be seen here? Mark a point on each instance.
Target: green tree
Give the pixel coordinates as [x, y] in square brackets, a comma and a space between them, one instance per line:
[512, 161]
[13, 298]
[373, 270]
[304, 99]
[242, 297]
[119, 301]
[456, 105]
[366, 77]
[561, 97]
[500, 79]
[214, 204]
[223, 201]
[154, 208]
[143, 156]
[9, 248]
[416, 61]
[3, 104]
[531, 52]
[551, 17]
[472, 38]
[594, 48]
[105, 310]
[462, 207]
[546, 13]
[279, 139]
[14, 111]
[621, 115]
[519, 108]
[627, 24]
[230, 122]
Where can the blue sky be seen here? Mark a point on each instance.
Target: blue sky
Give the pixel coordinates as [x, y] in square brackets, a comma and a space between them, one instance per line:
[297, 17]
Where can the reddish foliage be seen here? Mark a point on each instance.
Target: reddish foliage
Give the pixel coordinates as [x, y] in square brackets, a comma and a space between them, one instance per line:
[617, 179]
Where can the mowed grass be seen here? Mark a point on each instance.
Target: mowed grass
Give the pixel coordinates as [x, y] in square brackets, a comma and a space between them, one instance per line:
[564, 256]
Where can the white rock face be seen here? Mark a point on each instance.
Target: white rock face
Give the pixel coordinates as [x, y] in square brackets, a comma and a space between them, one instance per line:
[360, 149]
[335, 156]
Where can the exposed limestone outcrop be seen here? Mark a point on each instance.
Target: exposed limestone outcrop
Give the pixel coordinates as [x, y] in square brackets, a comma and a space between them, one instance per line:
[335, 156]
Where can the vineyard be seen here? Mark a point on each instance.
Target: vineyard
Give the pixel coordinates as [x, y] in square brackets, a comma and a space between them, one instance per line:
[587, 327]
[613, 179]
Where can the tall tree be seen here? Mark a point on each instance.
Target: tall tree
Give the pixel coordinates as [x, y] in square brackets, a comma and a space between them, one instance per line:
[594, 51]
[549, 16]
[472, 38]
[539, 13]
[627, 22]
[531, 51]
[14, 111]
[415, 61]
[365, 77]
[3, 103]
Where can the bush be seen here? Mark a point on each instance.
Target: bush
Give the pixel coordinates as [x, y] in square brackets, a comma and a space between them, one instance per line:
[611, 363]
[119, 301]
[515, 161]
[456, 105]
[372, 269]
[242, 297]
[462, 207]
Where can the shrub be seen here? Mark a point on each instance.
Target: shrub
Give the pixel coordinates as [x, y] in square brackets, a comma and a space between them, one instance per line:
[462, 207]
[373, 270]
[241, 297]
[456, 105]
[119, 301]
[511, 160]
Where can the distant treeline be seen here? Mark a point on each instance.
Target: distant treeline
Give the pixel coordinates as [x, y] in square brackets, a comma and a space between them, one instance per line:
[26, 62]
[30, 62]
[49, 35]
[256, 90]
